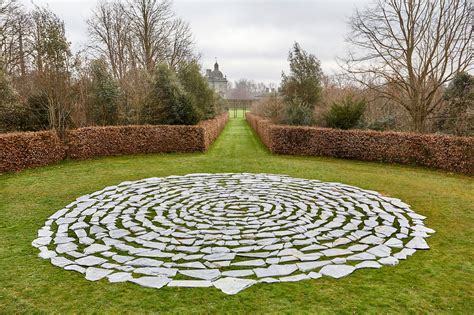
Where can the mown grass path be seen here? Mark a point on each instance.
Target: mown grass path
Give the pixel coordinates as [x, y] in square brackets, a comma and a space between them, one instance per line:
[436, 281]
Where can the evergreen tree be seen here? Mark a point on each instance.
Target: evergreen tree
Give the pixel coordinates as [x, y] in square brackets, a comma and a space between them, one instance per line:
[301, 88]
[167, 102]
[201, 95]
[105, 94]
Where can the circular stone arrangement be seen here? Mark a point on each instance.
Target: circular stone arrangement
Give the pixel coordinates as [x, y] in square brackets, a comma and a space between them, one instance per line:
[229, 231]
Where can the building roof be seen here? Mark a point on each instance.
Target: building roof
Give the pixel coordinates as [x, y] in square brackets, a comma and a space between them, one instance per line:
[216, 75]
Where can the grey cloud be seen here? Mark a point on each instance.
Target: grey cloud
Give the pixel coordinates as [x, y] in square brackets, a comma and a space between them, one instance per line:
[251, 38]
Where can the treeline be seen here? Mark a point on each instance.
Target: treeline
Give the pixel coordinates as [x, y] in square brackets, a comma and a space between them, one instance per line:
[407, 69]
[139, 68]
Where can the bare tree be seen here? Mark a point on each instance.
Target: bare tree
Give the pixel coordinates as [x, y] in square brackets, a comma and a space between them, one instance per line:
[139, 34]
[15, 26]
[181, 46]
[151, 23]
[111, 36]
[407, 50]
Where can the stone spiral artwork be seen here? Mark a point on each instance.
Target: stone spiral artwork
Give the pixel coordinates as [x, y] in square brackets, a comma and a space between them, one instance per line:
[229, 231]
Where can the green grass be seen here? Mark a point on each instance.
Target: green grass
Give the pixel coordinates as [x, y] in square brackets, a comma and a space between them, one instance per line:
[436, 281]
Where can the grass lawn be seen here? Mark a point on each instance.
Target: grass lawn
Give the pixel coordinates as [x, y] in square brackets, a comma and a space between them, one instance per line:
[440, 280]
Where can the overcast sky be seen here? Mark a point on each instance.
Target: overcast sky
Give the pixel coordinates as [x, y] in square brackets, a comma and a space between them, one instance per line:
[249, 38]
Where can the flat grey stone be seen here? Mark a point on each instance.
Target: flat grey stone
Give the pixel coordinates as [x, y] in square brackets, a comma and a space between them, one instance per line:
[94, 274]
[314, 275]
[206, 274]
[120, 277]
[269, 280]
[75, 268]
[391, 261]
[146, 262]
[275, 270]
[156, 271]
[232, 286]
[336, 252]
[95, 248]
[121, 258]
[417, 243]
[90, 261]
[404, 253]
[190, 283]
[294, 278]
[337, 271]
[66, 247]
[151, 282]
[368, 264]
[61, 261]
[238, 273]
[307, 266]
[255, 263]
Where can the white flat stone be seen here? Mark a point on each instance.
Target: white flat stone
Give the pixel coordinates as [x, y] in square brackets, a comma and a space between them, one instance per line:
[96, 248]
[275, 270]
[294, 278]
[151, 282]
[233, 285]
[255, 263]
[314, 275]
[205, 274]
[75, 268]
[146, 262]
[120, 277]
[311, 265]
[391, 261]
[368, 264]
[336, 252]
[269, 280]
[61, 261]
[94, 274]
[238, 273]
[190, 283]
[90, 261]
[157, 271]
[417, 243]
[337, 271]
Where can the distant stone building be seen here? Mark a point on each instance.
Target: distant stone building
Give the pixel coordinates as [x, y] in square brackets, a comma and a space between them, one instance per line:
[217, 80]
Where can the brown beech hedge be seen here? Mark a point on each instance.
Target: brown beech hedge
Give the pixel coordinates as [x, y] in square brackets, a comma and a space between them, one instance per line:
[20, 150]
[449, 153]
[29, 149]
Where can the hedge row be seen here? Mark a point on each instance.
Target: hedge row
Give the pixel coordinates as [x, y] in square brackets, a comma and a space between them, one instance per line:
[20, 150]
[29, 149]
[449, 153]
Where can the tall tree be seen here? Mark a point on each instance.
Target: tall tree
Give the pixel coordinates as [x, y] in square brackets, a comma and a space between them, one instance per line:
[105, 94]
[408, 49]
[52, 62]
[301, 88]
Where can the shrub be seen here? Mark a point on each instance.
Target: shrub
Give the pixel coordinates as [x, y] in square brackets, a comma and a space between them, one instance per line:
[18, 116]
[271, 107]
[346, 114]
[457, 116]
[167, 102]
[298, 112]
[386, 123]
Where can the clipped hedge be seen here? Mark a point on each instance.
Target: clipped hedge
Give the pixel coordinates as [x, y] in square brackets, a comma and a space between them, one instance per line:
[449, 153]
[29, 149]
[84, 143]
[22, 150]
